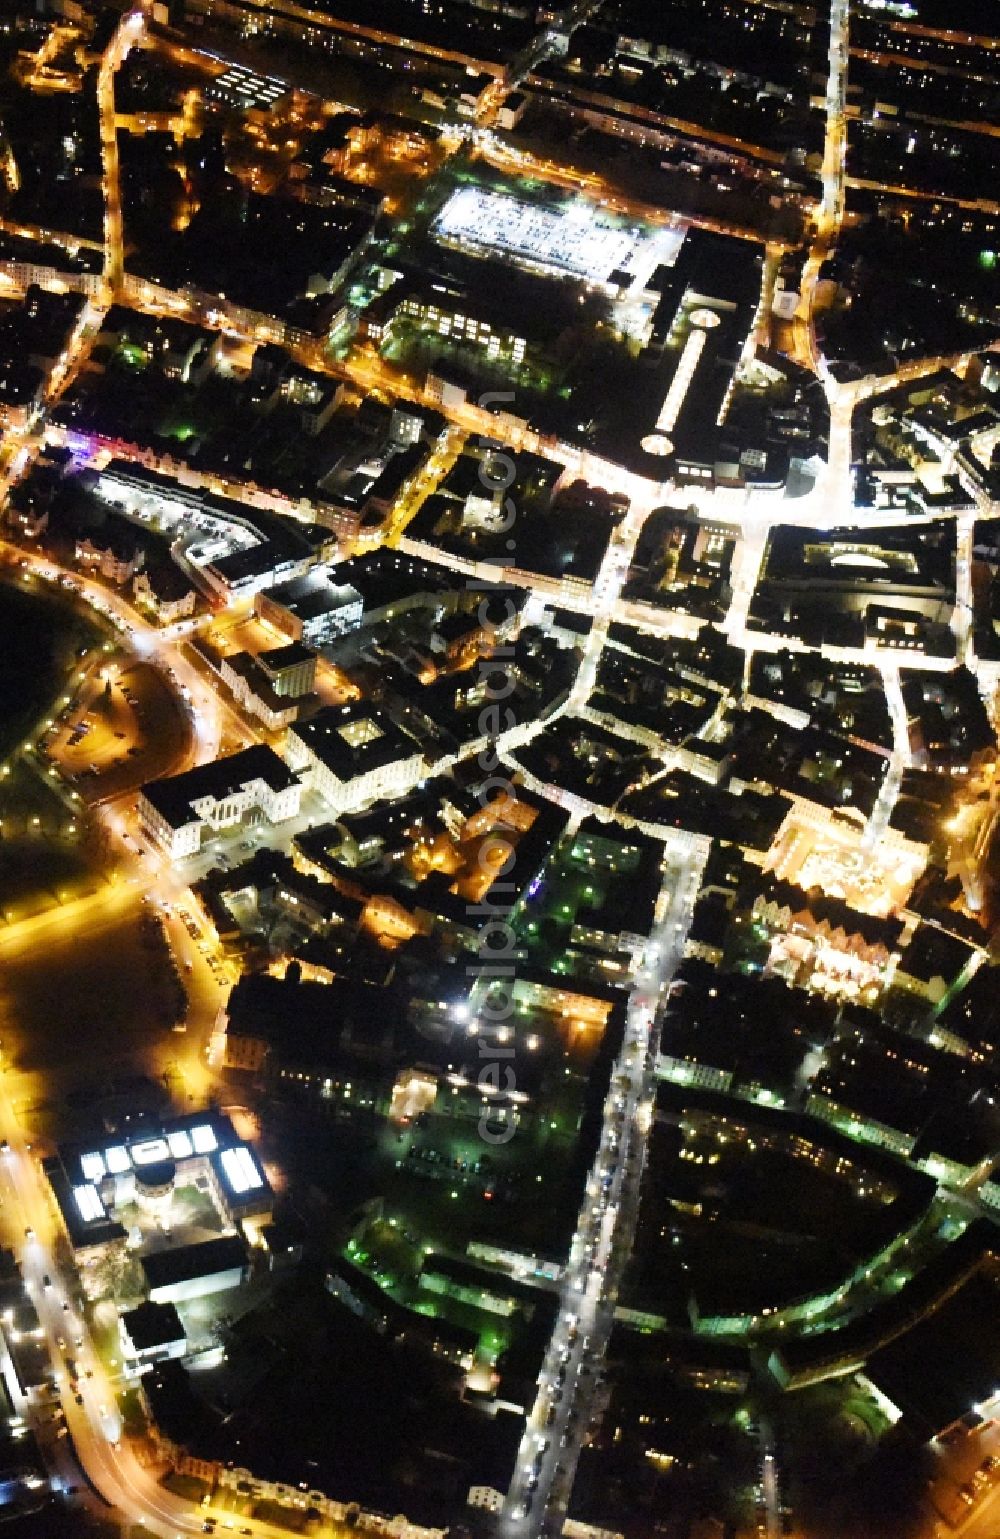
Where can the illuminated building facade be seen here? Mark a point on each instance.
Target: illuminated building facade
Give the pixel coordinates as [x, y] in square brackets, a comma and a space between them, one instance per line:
[177, 813]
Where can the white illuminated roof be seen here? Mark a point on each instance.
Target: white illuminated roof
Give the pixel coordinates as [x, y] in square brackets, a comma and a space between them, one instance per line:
[572, 239]
[679, 385]
[859, 558]
[178, 1145]
[203, 1138]
[89, 1204]
[240, 1169]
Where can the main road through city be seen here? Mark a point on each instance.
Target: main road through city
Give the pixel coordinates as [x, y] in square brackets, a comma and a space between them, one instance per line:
[539, 1492]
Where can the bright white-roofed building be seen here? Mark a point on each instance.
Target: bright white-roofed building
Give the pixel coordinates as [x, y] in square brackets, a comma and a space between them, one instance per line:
[93, 1182]
[574, 239]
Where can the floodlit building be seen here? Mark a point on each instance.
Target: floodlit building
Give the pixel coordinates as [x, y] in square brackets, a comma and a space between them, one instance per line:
[413, 1093]
[290, 670]
[575, 240]
[93, 1182]
[165, 591]
[231, 548]
[254, 784]
[823, 941]
[271, 685]
[487, 1498]
[150, 1333]
[191, 1271]
[88, 1220]
[311, 609]
[245, 679]
[115, 554]
[353, 754]
[278, 559]
[457, 315]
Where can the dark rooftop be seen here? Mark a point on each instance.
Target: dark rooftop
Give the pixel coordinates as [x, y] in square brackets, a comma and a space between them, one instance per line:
[173, 797]
[164, 1268]
[152, 1325]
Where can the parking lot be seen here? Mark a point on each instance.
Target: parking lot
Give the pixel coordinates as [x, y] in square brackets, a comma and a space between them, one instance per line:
[124, 729]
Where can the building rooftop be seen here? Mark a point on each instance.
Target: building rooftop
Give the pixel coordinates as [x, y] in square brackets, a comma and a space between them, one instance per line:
[152, 1325]
[312, 1025]
[836, 913]
[385, 576]
[937, 1371]
[313, 595]
[167, 581]
[165, 1268]
[173, 797]
[351, 740]
[277, 659]
[84, 1214]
